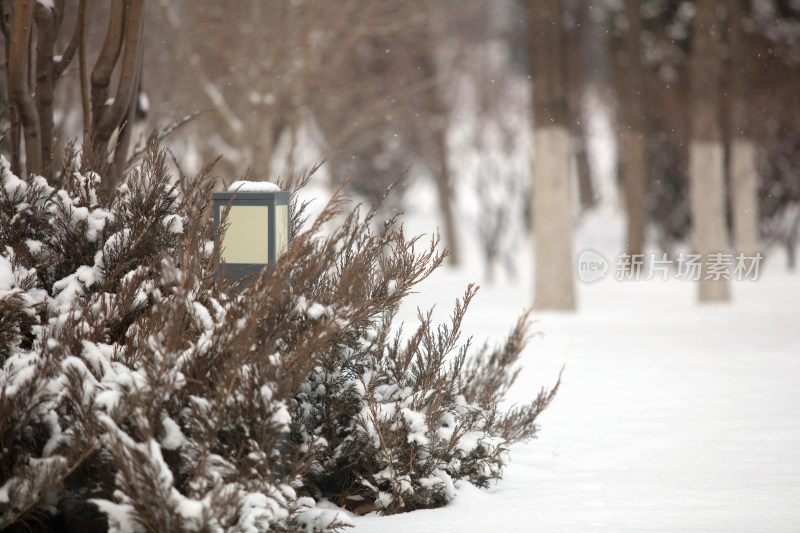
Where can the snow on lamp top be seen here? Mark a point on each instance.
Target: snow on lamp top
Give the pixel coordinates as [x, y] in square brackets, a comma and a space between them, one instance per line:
[253, 186]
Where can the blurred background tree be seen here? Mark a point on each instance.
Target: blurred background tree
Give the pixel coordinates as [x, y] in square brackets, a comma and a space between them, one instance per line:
[444, 87]
[36, 61]
[554, 285]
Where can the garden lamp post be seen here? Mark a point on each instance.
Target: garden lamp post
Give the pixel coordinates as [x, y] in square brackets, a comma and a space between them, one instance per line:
[257, 230]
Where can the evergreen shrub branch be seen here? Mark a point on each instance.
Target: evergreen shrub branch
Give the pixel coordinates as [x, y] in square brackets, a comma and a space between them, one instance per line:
[139, 391]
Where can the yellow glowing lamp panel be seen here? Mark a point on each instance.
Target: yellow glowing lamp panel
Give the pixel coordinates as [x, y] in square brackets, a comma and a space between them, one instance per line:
[247, 236]
[281, 229]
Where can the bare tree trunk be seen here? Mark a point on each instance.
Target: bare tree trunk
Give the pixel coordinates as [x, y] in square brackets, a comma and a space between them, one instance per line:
[113, 116]
[80, 31]
[744, 197]
[104, 66]
[438, 154]
[706, 156]
[742, 164]
[586, 192]
[552, 203]
[19, 91]
[16, 148]
[126, 128]
[47, 24]
[632, 145]
[6, 19]
[31, 29]
[442, 176]
[576, 79]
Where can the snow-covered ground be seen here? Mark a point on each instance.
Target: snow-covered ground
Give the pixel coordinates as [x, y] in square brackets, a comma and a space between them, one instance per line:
[672, 416]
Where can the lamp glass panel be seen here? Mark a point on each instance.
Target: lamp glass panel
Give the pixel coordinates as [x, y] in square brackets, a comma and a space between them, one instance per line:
[281, 229]
[246, 239]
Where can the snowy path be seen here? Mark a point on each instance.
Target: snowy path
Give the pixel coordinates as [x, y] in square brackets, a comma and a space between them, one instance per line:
[671, 417]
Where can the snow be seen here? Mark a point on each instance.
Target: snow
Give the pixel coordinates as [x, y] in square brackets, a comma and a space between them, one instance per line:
[108, 399]
[208, 249]
[144, 102]
[98, 357]
[21, 372]
[202, 316]
[316, 311]
[313, 518]
[120, 516]
[71, 287]
[281, 418]
[266, 392]
[174, 223]
[672, 415]
[13, 185]
[6, 275]
[96, 222]
[173, 436]
[416, 426]
[34, 246]
[190, 510]
[254, 186]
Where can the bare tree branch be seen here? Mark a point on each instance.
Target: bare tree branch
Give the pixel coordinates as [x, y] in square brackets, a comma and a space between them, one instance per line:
[74, 42]
[209, 88]
[106, 61]
[112, 116]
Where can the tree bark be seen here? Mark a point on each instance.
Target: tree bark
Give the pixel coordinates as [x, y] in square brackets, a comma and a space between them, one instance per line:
[576, 76]
[552, 202]
[706, 156]
[20, 98]
[112, 117]
[438, 155]
[742, 162]
[106, 61]
[6, 21]
[445, 193]
[48, 22]
[632, 140]
[586, 192]
[126, 128]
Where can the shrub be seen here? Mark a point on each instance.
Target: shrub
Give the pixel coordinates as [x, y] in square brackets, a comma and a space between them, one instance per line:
[140, 391]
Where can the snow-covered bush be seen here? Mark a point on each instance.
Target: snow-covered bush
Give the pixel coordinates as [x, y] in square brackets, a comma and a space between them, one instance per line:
[139, 391]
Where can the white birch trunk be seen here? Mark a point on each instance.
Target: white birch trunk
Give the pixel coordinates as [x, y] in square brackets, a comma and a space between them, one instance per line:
[552, 220]
[744, 196]
[706, 167]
